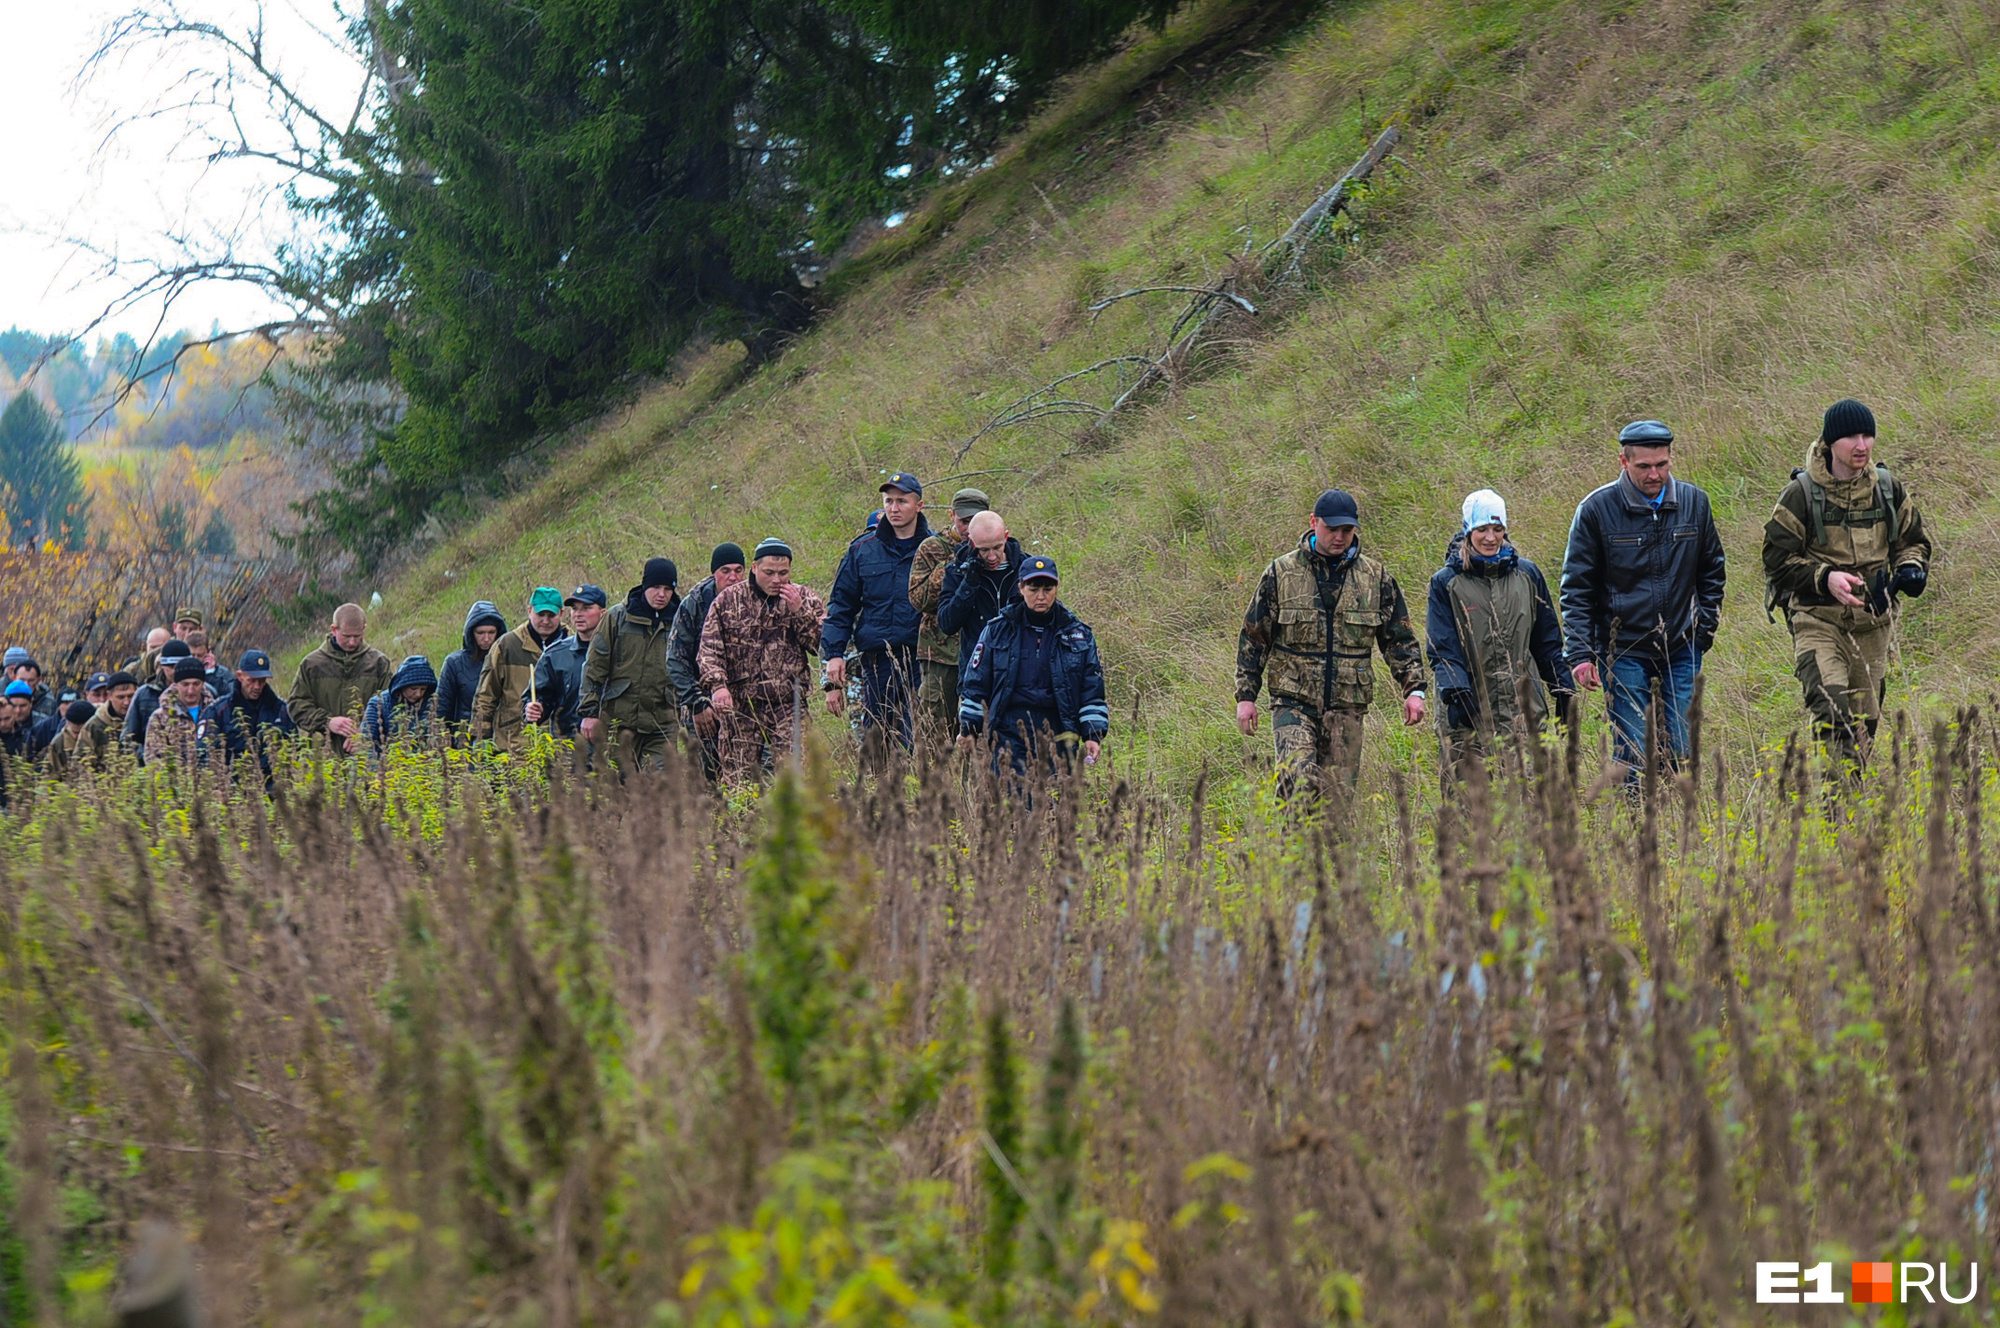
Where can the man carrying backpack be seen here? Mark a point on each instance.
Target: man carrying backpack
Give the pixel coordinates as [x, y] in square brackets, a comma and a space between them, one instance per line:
[1844, 541]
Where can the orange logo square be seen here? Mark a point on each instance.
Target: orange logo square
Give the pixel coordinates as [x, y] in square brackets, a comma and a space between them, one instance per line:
[1871, 1283]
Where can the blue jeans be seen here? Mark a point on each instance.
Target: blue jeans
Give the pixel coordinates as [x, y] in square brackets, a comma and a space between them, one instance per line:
[1630, 682]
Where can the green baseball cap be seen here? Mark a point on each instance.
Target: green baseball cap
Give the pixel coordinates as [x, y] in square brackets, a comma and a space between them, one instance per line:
[547, 599]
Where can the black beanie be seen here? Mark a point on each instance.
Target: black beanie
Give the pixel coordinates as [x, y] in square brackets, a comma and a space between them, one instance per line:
[660, 572]
[188, 667]
[80, 712]
[1846, 418]
[174, 649]
[725, 554]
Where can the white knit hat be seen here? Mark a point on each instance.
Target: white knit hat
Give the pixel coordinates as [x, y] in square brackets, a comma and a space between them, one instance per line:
[1484, 508]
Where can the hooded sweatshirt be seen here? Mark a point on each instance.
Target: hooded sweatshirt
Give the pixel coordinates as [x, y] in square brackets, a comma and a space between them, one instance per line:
[460, 674]
[389, 718]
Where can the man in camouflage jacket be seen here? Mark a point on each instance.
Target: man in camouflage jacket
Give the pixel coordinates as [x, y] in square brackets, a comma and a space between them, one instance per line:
[937, 651]
[1844, 540]
[1319, 614]
[753, 661]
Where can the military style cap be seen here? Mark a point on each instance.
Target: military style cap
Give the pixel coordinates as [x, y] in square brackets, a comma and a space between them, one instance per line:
[254, 664]
[98, 682]
[588, 595]
[902, 480]
[970, 502]
[1039, 569]
[188, 615]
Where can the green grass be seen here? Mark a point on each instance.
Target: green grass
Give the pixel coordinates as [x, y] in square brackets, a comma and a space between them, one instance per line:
[1722, 215]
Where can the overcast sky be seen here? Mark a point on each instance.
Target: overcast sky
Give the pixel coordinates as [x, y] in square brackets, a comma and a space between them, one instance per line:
[60, 179]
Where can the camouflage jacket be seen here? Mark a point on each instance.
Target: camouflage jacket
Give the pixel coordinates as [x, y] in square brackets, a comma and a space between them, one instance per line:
[1851, 531]
[756, 644]
[100, 738]
[503, 681]
[332, 681]
[172, 733]
[1315, 622]
[63, 757]
[927, 569]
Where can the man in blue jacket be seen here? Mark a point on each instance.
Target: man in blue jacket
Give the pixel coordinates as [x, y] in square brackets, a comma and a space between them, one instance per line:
[253, 716]
[870, 609]
[1642, 594]
[1035, 680]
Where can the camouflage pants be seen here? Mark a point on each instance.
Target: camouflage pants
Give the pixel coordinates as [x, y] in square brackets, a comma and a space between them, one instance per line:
[937, 710]
[747, 733]
[1845, 675]
[1321, 749]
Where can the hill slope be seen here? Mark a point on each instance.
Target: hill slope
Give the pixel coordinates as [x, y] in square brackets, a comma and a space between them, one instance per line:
[1723, 215]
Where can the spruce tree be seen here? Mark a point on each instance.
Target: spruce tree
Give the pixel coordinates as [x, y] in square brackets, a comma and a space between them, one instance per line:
[41, 484]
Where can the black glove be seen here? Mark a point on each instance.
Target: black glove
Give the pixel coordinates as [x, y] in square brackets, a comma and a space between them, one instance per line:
[1461, 709]
[1911, 578]
[1704, 638]
[965, 554]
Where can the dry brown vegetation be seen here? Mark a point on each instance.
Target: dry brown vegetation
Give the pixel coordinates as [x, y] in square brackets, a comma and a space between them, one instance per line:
[450, 1045]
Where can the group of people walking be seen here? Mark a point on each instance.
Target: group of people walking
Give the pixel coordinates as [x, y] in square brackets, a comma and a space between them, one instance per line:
[1639, 605]
[941, 636]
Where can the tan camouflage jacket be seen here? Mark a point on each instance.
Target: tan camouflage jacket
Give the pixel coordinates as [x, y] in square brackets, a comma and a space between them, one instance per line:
[927, 568]
[756, 644]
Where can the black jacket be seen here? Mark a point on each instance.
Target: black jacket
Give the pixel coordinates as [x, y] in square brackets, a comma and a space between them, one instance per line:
[1640, 580]
[986, 688]
[685, 643]
[870, 604]
[973, 596]
[460, 675]
[242, 723]
[138, 715]
[559, 685]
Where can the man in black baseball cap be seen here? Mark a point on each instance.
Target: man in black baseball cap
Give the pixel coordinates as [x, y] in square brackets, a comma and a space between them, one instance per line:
[253, 717]
[870, 611]
[1035, 681]
[1320, 613]
[97, 688]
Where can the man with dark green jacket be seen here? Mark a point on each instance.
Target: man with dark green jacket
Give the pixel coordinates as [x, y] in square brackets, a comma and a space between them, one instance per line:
[335, 681]
[1844, 540]
[630, 704]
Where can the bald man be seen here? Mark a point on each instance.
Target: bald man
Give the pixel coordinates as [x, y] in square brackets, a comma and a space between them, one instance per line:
[336, 680]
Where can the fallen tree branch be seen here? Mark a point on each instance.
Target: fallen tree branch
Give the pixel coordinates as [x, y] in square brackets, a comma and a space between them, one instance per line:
[1279, 267]
[1209, 291]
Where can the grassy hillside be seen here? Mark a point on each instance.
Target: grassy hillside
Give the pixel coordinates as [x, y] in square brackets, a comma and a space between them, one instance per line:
[1723, 215]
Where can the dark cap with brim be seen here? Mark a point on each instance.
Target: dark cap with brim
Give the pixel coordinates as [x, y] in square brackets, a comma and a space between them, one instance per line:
[1336, 507]
[98, 682]
[588, 595]
[254, 664]
[970, 502]
[1038, 569]
[902, 480]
